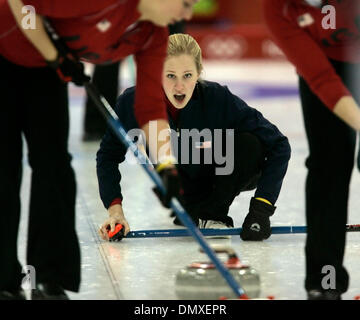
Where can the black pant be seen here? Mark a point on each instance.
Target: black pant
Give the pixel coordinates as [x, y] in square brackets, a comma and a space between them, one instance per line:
[34, 103]
[210, 198]
[106, 79]
[330, 164]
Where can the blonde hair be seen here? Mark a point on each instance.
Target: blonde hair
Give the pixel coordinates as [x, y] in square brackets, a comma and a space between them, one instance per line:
[180, 43]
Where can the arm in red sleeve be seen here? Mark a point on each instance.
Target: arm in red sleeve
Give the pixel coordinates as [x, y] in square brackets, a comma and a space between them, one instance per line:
[302, 51]
[67, 8]
[115, 201]
[149, 98]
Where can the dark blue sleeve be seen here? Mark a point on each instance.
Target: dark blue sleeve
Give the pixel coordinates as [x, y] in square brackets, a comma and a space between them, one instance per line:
[112, 151]
[277, 148]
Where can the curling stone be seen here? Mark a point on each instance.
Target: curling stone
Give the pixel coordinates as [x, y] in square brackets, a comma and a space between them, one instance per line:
[202, 281]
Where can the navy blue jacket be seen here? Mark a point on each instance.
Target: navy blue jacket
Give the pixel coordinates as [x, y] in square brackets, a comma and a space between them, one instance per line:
[212, 106]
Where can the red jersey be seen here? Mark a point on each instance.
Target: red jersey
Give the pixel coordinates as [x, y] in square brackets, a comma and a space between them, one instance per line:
[98, 32]
[298, 29]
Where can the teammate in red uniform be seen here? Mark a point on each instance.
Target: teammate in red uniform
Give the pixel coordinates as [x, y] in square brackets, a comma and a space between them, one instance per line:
[322, 40]
[35, 103]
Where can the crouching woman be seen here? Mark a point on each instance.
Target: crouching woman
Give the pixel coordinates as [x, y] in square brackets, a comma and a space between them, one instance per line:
[258, 151]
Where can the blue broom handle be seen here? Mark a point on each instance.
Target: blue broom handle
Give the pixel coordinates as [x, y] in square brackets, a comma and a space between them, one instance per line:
[168, 233]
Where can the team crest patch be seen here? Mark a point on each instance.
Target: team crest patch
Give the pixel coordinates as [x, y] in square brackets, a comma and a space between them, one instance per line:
[305, 20]
[103, 25]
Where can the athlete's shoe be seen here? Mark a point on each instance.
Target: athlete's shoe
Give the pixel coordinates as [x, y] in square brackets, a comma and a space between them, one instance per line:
[323, 295]
[47, 291]
[18, 294]
[213, 224]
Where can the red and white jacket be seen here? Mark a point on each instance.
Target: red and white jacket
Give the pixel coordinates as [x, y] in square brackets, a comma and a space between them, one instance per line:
[97, 32]
[297, 28]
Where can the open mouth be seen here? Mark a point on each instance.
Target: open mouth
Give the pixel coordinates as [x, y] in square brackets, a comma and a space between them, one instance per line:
[179, 97]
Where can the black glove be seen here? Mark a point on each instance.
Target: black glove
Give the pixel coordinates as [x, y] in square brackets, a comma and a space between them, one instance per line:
[69, 70]
[171, 181]
[256, 226]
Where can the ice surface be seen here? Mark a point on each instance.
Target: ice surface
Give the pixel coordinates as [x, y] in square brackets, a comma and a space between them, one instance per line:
[146, 268]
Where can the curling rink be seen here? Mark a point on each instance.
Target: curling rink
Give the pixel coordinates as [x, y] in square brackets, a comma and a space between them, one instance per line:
[146, 268]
